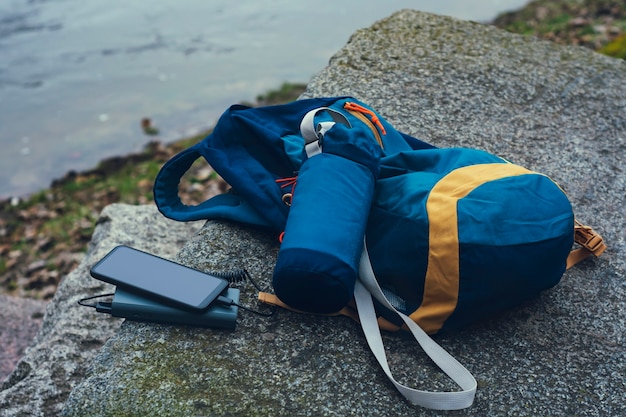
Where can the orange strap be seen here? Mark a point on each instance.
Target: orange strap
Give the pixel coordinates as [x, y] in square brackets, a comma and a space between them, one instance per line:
[273, 300]
[348, 311]
[591, 243]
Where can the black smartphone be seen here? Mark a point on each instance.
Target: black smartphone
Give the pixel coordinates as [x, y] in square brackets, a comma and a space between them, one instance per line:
[158, 278]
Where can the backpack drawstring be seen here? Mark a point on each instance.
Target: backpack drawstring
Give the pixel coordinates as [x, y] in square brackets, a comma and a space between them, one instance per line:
[284, 183]
[351, 106]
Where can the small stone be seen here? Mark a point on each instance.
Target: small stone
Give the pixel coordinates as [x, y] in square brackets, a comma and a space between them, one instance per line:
[268, 337]
[35, 266]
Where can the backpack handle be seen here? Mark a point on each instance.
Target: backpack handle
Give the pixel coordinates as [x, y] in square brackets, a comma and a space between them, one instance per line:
[229, 206]
[313, 134]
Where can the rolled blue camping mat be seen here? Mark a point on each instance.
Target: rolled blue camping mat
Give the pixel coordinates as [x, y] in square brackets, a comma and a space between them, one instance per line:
[318, 260]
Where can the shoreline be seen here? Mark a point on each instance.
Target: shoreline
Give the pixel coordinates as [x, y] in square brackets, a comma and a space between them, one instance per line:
[285, 92]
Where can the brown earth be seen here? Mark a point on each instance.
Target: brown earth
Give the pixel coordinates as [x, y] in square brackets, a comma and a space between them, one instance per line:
[596, 24]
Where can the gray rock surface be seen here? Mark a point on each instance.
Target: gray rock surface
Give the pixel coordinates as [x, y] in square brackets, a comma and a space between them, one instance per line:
[558, 110]
[71, 335]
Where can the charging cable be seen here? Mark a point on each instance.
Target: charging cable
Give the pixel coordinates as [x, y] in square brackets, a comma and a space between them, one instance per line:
[229, 302]
[100, 306]
[231, 276]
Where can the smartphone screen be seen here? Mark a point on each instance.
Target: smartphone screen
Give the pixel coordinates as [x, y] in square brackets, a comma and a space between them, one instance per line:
[151, 275]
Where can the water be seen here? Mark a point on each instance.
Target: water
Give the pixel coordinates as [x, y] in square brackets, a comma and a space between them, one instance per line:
[77, 76]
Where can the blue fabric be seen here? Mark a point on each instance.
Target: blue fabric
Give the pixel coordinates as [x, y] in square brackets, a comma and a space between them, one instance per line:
[498, 277]
[318, 260]
[514, 233]
[229, 206]
[251, 148]
[532, 217]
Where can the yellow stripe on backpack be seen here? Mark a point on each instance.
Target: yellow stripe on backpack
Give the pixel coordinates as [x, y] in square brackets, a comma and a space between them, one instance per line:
[441, 286]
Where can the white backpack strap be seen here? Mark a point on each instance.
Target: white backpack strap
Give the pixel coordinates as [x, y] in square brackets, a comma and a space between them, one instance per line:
[364, 290]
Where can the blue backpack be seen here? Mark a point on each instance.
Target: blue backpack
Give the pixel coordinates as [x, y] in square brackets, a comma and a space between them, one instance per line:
[444, 237]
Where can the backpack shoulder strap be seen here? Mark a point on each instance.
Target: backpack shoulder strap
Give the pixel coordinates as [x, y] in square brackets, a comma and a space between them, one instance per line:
[364, 290]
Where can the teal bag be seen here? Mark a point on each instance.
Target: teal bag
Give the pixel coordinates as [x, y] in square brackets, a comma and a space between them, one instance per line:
[486, 235]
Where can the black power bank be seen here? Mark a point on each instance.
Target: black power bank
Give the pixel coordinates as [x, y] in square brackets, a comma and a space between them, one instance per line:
[132, 306]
